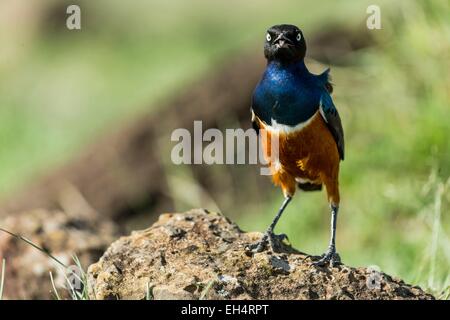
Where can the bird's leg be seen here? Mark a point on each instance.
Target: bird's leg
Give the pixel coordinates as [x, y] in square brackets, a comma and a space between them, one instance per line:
[269, 236]
[331, 256]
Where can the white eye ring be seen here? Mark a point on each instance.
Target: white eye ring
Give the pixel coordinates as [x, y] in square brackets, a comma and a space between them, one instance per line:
[299, 37]
[268, 37]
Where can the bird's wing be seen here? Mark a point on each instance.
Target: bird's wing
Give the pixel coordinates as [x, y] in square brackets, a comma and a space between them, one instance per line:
[324, 79]
[331, 117]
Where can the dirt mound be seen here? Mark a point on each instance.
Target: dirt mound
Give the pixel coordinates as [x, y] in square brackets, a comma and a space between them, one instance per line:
[198, 254]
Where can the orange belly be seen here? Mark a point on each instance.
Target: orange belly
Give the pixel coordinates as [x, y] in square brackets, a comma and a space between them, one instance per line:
[307, 154]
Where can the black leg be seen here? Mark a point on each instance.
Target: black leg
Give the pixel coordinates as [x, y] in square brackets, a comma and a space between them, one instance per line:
[268, 235]
[331, 255]
[334, 213]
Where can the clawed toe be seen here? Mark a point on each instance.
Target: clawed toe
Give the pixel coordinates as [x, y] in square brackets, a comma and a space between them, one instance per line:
[331, 257]
[258, 246]
[269, 238]
[279, 237]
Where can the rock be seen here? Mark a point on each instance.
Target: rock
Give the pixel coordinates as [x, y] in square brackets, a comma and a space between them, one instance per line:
[59, 233]
[198, 254]
[163, 292]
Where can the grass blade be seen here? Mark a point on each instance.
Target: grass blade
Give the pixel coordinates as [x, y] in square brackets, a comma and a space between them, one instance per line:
[206, 290]
[84, 295]
[2, 279]
[48, 254]
[54, 287]
[149, 293]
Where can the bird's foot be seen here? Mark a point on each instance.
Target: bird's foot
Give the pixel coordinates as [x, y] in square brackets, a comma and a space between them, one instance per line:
[277, 239]
[268, 238]
[331, 257]
[259, 246]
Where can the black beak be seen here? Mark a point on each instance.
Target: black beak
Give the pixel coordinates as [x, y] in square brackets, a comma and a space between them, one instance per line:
[282, 41]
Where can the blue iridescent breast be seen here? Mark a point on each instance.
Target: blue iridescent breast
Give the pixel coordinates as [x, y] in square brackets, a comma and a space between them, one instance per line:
[287, 94]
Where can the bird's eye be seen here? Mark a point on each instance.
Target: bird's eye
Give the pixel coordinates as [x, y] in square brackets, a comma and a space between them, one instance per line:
[299, 37]
[268, 37]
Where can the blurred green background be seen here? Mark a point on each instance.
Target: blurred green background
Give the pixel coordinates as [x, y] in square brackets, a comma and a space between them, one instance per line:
[60, 88]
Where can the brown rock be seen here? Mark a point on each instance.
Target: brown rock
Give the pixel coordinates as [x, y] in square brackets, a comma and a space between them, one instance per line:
[197, 254]
[60, 234]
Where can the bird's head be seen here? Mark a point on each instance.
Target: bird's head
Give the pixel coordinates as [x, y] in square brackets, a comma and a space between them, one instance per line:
[284, 43]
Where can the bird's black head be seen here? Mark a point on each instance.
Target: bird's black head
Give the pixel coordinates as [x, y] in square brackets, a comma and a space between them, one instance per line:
[284, 43]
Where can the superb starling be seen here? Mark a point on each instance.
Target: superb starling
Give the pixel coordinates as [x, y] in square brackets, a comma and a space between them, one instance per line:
[295, 106]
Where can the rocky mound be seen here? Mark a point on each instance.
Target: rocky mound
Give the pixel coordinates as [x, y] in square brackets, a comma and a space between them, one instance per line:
[201, 255]
[59, 233]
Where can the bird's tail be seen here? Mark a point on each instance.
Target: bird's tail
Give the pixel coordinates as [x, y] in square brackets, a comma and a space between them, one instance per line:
[308, 186]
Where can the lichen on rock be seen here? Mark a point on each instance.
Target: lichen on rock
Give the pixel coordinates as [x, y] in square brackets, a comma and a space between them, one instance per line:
[199, 254]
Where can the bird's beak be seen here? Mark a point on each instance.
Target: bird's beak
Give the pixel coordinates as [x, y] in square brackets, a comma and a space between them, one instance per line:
[282, 41]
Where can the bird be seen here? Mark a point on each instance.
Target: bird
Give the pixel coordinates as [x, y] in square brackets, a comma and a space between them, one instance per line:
[295, 106]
